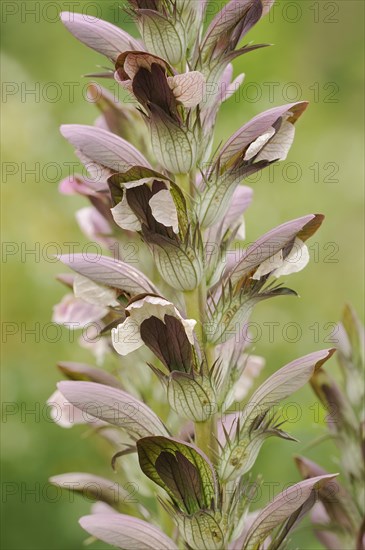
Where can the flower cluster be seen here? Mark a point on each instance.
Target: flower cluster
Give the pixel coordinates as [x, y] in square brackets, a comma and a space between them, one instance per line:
[152, 179]
[339, 516]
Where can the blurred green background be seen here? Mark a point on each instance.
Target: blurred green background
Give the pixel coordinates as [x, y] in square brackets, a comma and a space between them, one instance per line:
[317, 56]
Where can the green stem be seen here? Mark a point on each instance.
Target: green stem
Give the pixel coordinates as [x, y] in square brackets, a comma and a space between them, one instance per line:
[183, 181]
[205, 437]
[192, 306]
[195, 304]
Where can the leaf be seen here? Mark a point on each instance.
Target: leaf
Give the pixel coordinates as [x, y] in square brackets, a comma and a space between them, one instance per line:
[113, 406]
[181, 469]
[110, 272]
[160, 36]
[103, 147]
[83, 372]
[281, 508]
[91, 487]
[99, 35]
[126, 532]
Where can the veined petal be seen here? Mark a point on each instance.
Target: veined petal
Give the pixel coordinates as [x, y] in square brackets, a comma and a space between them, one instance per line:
[99, 35]
[124, 216]
[164, 209]
[103, 147]
[110, 272]
[281, 508]
[83, 371]
[126, 532]
[188, 88]
[91, 487]
[65, 414]
[285, 382]
[76, 313]
[113, 406]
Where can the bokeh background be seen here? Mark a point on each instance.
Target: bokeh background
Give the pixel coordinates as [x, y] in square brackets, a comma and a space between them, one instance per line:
[317, 56]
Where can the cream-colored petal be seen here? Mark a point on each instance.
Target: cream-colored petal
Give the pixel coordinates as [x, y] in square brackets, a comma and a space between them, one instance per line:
[188, 88]
[189, 325]
[258, 144]
[124, 216]
[164, 209]
[279, 146]
[296, 260]
[154, 306]
[150, 306]
[126, 337]
[269, 265]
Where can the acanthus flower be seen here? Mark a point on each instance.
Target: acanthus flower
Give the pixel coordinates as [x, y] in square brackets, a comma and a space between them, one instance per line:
[150, 177]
